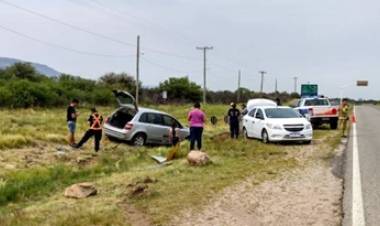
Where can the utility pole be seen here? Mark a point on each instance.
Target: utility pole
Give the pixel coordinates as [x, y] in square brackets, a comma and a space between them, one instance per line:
[204, 49]
[137, 70]
[295, 83]
[238, 89]
[262, 81]
[275, 85]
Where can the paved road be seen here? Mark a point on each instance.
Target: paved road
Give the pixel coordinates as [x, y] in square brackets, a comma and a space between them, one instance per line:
[368, 169]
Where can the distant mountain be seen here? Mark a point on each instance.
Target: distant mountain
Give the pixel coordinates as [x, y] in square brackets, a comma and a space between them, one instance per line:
[42, 69]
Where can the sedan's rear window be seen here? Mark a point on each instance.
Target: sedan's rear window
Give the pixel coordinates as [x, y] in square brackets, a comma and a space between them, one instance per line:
[317, 102]
[281, 113]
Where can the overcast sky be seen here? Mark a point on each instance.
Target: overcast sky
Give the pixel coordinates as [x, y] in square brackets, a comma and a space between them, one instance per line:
[332, 43]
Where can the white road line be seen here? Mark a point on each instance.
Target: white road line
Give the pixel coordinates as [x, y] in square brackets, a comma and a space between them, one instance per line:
[358, 218]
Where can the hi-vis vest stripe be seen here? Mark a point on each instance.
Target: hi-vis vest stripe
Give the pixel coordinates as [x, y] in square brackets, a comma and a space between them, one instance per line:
[96, 124]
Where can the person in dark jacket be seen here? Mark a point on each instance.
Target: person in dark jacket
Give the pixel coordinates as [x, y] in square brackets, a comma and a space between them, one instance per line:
[95, 121]
[233, 119]
[71, 118]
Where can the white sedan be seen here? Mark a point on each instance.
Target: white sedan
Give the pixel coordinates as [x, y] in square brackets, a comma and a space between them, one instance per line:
[271, 124]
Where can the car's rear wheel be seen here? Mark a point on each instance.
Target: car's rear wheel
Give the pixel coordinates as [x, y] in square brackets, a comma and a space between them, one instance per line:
[139, 139]
[265, 137]
[334, 123]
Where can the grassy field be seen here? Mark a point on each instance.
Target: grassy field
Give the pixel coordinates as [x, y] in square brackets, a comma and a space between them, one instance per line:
[33, 176]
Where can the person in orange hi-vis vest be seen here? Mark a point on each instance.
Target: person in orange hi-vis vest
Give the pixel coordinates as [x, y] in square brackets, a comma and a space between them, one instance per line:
[95, 120]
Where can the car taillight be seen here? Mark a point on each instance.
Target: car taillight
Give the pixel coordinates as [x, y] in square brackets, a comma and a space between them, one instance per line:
[334, 111]
[128, 126]
[311, 112]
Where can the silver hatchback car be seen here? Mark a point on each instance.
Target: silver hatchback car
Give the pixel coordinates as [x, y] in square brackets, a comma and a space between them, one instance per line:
[140, 126]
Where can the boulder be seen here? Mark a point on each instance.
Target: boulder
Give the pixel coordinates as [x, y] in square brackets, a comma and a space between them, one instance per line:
[80, 190]
[138, 189]
[197, 158]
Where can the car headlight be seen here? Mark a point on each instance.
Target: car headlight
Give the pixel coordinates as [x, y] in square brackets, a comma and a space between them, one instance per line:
[308, 126]
[274, 126]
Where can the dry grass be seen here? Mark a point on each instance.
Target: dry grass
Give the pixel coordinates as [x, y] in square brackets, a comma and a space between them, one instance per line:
[179, 186]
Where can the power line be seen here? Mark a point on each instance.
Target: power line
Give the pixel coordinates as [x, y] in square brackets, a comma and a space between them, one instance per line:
[170, 69]
[151, 50]
[91, 32]
[239, 86]
[137, 69]
[204, 49]
[275, 85]
[67, 24]
[60, 46]
[262, 81]
[295, 83]
[140, 20]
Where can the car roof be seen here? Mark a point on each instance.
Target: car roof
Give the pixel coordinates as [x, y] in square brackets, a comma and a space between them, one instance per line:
[150, 110]
[313, 98]
[271, 107]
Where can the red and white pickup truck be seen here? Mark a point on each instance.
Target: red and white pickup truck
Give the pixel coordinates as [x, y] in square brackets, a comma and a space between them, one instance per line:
[319, 111]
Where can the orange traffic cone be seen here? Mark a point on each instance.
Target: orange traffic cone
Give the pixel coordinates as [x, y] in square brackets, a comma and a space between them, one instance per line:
[353, 118]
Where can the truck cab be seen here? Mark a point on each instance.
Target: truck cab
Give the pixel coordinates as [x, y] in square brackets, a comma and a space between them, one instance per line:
[319, 111]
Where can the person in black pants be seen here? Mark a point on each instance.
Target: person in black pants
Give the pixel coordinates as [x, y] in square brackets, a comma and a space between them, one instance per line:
[95, 121]
[233, 120]
[196, 119]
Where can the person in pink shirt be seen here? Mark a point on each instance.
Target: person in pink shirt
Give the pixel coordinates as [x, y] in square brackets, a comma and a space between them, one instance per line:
[196, 119]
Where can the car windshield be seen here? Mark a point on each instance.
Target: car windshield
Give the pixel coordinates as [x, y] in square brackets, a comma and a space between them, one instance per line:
[281, 113]
[317, 102]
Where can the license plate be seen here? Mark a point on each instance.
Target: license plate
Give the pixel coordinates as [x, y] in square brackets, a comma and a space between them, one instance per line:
[294, 135]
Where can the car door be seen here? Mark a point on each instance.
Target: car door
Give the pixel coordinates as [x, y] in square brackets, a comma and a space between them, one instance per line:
[153, 126]
[259, 123]
[168, 121]
[249, 121]
[162, 126]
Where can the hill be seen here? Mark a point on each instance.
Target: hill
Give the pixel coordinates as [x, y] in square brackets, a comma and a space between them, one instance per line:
[42, 69]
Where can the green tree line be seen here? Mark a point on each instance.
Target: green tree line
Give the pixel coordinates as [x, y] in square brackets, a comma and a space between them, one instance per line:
[21, 86]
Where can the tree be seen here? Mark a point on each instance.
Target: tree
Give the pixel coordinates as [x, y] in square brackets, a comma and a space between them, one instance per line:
[23, 71]
[181, 89]
[121, 81]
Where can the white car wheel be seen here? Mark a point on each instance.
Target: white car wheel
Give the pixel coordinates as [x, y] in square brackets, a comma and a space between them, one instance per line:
[139, 140]
[265, 137]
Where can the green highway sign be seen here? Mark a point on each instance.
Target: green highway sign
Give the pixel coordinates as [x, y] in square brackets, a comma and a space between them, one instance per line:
[309, 90]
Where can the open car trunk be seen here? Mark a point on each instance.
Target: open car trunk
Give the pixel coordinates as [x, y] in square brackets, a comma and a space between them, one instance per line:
[121, 117]
[126, 112]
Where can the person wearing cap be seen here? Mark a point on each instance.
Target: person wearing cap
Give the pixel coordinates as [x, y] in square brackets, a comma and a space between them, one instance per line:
[344, 116]
[95, 121]
[233, 120]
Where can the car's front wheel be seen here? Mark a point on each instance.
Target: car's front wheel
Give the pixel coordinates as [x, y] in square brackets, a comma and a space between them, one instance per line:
[139, 139]
[307, 142]
[245, 133]
[265, 137]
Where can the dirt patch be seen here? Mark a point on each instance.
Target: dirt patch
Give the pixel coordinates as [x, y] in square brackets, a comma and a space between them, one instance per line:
[309, 196]
[135, 217]
[44, 154]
